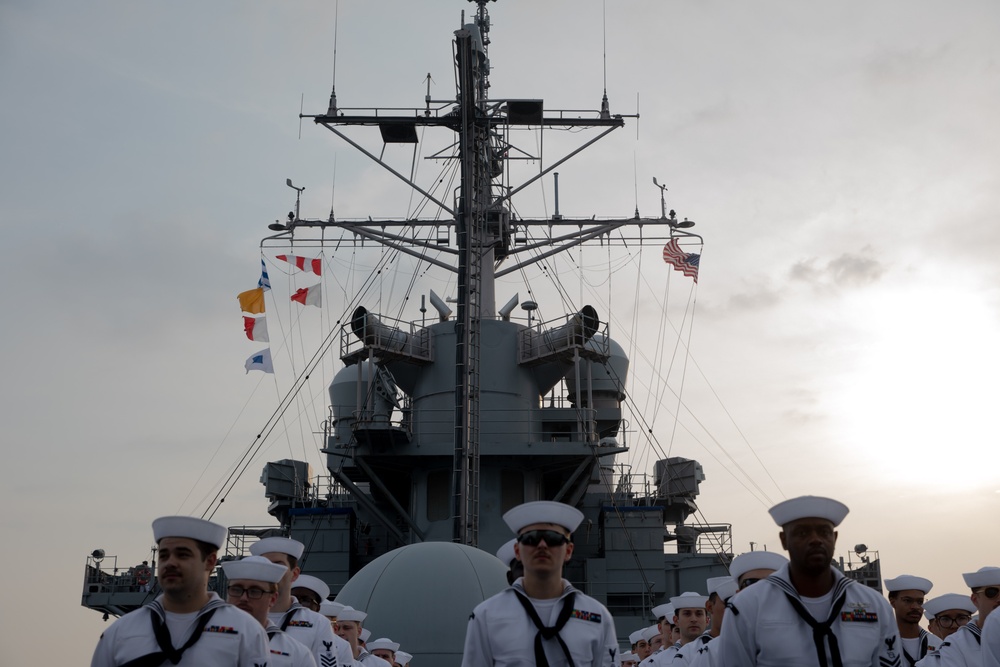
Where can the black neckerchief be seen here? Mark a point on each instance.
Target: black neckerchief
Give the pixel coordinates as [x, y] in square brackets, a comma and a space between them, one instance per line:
[546, 632]
[287, 618]
[822, 630]
[921, 650]
[167, 650]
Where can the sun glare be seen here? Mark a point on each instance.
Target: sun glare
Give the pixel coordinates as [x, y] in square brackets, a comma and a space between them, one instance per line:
[918, 401]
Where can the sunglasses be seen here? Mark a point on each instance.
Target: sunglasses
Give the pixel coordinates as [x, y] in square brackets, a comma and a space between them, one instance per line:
[552, 538]
[990, 591]
[746, 582]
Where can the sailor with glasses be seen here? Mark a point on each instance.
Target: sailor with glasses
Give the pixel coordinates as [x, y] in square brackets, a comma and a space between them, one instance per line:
[906, 595]
[947, 613]
[309, 627]
[753, 566]
[962, 648]
[808, 612]
[253, 587]
[186, 625]
[541, 619]
[310, 591]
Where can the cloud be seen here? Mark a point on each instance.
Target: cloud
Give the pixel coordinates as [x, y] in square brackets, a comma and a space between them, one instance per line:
[849, 270]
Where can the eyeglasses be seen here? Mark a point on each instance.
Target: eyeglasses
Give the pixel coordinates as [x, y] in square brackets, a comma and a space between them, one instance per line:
[990, 591]
[948, 621]
[552, 538]
[252, 593]
[746, 582]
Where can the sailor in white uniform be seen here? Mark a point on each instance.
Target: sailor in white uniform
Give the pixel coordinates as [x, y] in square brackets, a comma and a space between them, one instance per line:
[349, 628]
[657, 638]
[627, 659]
[640, 645]
[720, 590]
[907, 594]
[822, 618]
[541, 619]
[947, 613]
[307, 626]
[384, 648]
[754, 566]
[402, 659]
[963, 647]
[991, 641]
[252, 586]
[691, 616]
[310, 591]
[186, 625]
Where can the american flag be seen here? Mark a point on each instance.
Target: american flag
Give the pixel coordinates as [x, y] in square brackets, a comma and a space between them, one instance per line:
[685, 262]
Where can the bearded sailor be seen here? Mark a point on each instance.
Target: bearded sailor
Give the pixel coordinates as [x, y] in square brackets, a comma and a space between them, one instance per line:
[252, 585]
[309, 627]
[185, 625]
[963, 647]
[541, 619]
[808, 613]
[906, 595]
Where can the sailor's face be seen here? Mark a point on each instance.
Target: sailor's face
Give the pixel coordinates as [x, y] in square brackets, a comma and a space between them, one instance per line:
[348, 631]
[642, 649]
[949, 621]
[810, 543]
[180, 567]
[908, 605]
[692, 623]
[985, 602]
[385, 654]
[543, 556]
[307, 598]
[257, 608]
[291, 575]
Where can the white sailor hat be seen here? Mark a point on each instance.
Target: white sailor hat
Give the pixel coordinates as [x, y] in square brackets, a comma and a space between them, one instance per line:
[636, 636]
[543, 511]
[364, 635]
[351, 614]
[316, 585]
[805, 507]
[984, 576]
[627, 656]
[191, 528]
[281, 545]
[506, 553]
[948, 601]
[724, 587]
[402, 657]
[908, 582]
[383, 642]
[755, 560]
[688, 600]
[257, 568]
[330, 609]
[650, 632]
[664, 611]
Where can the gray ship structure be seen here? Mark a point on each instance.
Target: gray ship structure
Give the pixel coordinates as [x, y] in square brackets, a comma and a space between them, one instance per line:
[438, 425]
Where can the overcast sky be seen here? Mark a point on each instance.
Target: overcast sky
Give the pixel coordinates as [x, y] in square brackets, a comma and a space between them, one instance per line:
[841, 160]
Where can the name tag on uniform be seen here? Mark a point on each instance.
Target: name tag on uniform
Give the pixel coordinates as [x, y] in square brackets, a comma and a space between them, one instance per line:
[586, 616]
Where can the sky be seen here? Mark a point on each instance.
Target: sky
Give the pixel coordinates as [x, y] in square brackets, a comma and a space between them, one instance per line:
[840, 160]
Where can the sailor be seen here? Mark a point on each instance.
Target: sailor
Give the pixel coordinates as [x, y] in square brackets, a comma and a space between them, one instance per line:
[753, 566]
[640, 645]
[309, 627]
[310, 591]
[720, 589]
[991, 641]
[384, 648]
[185, 625]
[541, 619]
[664, 614]
[691, 617]
[947, 613]
[808, 613]
[402, 659]
[509, 558]
[962, 648]
[627, 659]
[349, 628]
[330, 609]
[253, 587]
[656, 639]
[906, 595]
